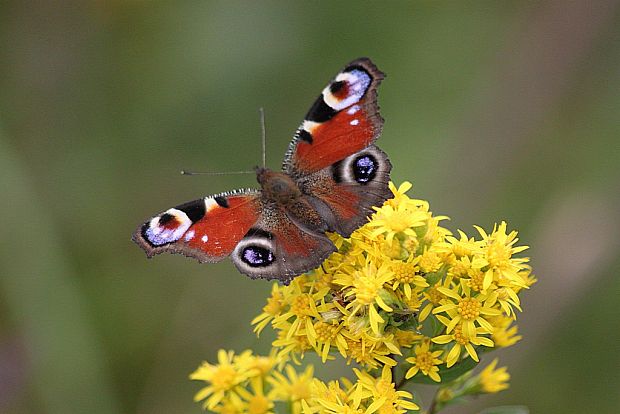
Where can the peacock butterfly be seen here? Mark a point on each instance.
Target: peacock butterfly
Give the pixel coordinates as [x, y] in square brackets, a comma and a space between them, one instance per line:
[332, 175]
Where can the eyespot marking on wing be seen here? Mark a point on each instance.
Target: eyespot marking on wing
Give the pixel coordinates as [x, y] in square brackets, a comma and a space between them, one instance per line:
[166, 228]
[255, 251]
[361, 168]
[351, 86]
[257, 256]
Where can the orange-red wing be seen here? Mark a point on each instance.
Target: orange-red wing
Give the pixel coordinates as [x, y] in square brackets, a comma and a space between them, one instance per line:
[343, 120]
[207, 229]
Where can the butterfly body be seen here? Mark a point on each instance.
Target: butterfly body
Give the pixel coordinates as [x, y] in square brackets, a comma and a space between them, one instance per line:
[332, 176]
[277, 186]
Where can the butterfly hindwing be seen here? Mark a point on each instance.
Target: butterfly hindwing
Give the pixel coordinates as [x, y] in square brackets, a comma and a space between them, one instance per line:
[350, 188]
[343, 120]
[207, 229]
[278, 247]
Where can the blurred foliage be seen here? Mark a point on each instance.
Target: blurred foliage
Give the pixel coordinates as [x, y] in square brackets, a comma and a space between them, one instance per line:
[494, 109]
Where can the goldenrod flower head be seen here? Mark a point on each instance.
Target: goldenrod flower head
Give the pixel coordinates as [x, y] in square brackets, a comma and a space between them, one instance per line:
[292, 387]
[457, 340]
[254, 401]
[425, 361]
[504, 332]
[222, 378]
[364, 289]
[272, 309]
[361, 397]
[367, 351]
[293, 347]
[499, 249]
[463, 307]
[383, 389]
[494, 380]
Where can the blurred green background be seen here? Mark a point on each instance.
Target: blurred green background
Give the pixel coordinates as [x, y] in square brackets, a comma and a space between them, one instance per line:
[494, 110]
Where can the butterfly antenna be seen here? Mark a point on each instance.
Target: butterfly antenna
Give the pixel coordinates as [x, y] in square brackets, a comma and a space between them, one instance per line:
[185, 172]
[263, 135]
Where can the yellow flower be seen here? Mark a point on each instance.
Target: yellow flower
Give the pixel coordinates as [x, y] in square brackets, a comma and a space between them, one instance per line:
[406, 339]
[399, 193]
[331, 399]
[462, 341]
[406, 275]
[494, 380]
[383, 388]
[255, 402]
[498, 249]
[396, 279]
[230, 405]
[433, 297]
[425, 361]
[302, 308]
[466, 309]
[430, 261]
[272, 309]
[364, 288]
[462, 247]
[291, 346]
[368, 352]
[294, 388]
[328, 334]
[222, 379]
[257, 364]
[507, 299]
[503, 333]
[470, 270]
[399, 219]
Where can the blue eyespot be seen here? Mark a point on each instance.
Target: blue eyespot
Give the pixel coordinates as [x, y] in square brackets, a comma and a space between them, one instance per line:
[256, 256]
[364, 168]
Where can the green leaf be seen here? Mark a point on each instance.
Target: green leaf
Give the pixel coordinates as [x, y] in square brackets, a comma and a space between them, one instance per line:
[432, 327]
[447, 374]
[434, 277]
[506, 409]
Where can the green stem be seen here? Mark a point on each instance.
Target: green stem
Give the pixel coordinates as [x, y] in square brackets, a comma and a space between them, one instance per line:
[401, 383]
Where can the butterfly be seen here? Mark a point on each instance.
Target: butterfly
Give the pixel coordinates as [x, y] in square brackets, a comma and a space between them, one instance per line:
[332, 175]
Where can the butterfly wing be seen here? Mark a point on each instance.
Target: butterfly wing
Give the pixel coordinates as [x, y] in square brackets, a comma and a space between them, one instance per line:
[207, 229]
[334, 164]
[343, 120]
[332, 157]
[346, 191]
[278, 247]
[261, 239]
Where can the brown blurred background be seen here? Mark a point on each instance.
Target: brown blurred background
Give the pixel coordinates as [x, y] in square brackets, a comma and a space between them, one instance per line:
[494, 110]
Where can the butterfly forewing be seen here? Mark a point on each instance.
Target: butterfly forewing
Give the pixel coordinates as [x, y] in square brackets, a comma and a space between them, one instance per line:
[343, 120]
[207, 229]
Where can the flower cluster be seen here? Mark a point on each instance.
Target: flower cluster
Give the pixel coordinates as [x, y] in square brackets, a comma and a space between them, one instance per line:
[247, 383]
[404, 285]
[402, 294]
